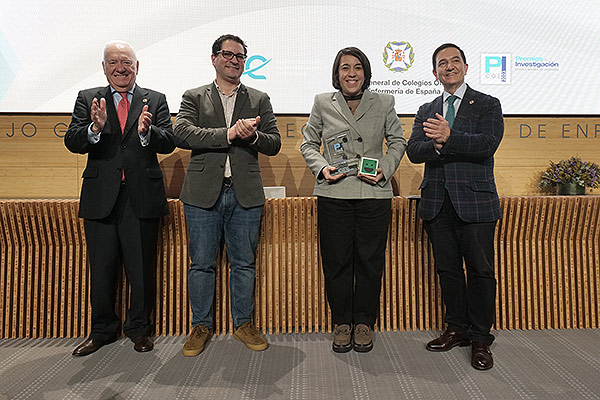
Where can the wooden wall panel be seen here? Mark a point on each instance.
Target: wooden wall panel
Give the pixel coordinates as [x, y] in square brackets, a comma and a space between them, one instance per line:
[34, 162]
[547, 269]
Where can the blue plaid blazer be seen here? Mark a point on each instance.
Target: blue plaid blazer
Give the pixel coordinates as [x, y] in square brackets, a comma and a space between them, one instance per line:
[465, 165]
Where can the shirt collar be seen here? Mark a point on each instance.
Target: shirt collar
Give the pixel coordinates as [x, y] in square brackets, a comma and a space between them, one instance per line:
[460, 92]
[234, 91]
[130, 91]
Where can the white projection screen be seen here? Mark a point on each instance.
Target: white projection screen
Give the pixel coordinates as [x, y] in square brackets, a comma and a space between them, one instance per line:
[535, 56]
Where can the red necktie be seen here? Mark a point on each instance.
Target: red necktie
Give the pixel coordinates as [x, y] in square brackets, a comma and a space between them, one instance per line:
[123, 110]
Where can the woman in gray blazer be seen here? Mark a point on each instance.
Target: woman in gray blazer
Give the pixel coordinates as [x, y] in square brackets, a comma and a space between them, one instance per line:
[353, 197]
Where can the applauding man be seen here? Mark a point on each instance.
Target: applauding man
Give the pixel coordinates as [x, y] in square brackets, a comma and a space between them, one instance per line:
[121, 127]
[225, 124]
[456, 136]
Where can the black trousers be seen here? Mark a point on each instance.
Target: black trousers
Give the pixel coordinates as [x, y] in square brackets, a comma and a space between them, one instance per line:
[353, 237]
[470, 304]
[121, 236]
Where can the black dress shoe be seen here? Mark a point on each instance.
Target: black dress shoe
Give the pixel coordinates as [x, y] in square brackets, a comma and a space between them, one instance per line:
[89, 346]
[481, 356]
[447, 341]
[142, 343]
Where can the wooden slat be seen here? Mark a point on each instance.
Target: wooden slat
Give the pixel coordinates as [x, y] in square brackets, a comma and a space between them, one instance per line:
[532, 260]
[501, 268]
[594, 266]
[6, 251]
[40, 262]
[583, 243]
[547, 267]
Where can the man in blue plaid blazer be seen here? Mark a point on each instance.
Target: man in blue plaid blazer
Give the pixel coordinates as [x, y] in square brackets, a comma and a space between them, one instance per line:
[456, 136]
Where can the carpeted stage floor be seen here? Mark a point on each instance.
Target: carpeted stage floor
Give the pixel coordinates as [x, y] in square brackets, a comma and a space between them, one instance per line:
[548, 364]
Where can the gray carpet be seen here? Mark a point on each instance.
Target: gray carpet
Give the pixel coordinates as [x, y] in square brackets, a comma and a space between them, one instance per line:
[546, 364]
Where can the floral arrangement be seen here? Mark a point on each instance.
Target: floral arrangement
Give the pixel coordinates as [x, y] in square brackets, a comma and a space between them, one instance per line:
[573, 170]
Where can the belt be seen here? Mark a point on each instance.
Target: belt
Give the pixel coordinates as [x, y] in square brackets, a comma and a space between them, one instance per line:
[227, 181]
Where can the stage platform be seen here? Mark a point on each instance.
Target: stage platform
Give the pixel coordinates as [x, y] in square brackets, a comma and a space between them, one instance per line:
[547, 268]
[546, 364]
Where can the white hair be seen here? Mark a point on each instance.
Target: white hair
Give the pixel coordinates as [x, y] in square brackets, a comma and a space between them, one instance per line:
[121, 44]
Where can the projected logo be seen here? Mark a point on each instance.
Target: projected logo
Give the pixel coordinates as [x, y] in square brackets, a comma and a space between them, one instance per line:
[254, 64]
[398, 56]
[535, 63]
[495, 69]
[9, 65]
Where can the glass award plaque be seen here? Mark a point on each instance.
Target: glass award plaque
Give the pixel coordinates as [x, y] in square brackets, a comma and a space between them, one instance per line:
[339, 151]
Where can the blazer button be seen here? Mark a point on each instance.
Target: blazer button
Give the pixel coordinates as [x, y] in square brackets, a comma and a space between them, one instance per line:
[359, 140]
[123, 146]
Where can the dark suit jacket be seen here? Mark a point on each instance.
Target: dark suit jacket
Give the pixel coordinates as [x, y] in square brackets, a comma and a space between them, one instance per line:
[465, 165]
[116, 151]
[200, 126]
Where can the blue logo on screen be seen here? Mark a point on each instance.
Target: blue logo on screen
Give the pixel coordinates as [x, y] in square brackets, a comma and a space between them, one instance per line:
[496, 65]
[250, 71]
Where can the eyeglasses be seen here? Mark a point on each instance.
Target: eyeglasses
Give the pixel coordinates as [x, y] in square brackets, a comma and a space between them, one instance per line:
[228, 55]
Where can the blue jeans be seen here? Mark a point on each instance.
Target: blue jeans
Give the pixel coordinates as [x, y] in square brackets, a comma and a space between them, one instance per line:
[206, 227]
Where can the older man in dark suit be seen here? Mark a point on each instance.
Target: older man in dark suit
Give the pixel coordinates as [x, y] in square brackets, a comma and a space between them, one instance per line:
[121, 127]
[456, 136]
[226, 125]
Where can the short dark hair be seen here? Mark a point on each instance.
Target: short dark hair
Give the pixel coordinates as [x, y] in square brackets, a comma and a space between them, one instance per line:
[352, 51]
[445, 46]
[218, 44]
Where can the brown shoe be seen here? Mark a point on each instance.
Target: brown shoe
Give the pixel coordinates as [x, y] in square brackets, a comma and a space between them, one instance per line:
[250, 336]
[342, 338]
[363, 338]
[196, 341]
[481, 356]
[142, 344]
[447, 341]
[89, 346]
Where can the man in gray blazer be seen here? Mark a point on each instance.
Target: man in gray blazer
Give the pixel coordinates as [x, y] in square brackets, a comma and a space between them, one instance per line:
[225, 124]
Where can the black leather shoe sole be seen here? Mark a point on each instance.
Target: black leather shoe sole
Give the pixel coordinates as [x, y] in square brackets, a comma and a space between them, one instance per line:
[342, 348]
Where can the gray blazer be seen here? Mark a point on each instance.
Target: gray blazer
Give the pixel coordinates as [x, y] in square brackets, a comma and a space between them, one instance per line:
[374, 120]
[200, 126]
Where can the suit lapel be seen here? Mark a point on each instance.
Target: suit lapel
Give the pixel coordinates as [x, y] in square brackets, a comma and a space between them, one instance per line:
[466, 107]
[111, 112]
[339, 103]
[365, 104]
[213, 97]
[240, 103]
[341, 107]
[438, 106]
[139, 99]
